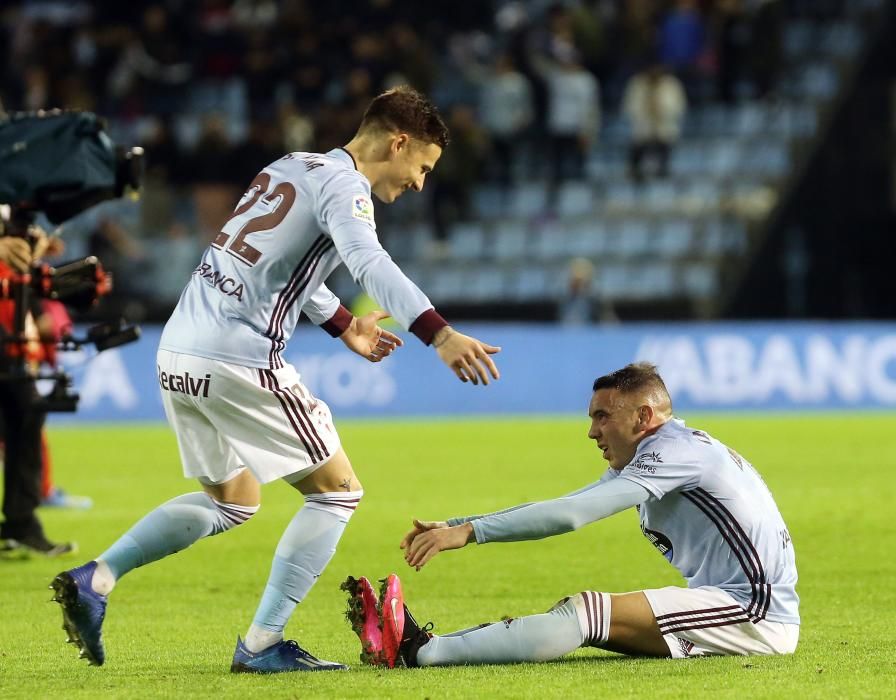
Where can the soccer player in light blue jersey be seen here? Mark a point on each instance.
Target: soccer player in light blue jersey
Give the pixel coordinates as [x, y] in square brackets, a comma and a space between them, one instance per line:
[702, 505]
[242, 416]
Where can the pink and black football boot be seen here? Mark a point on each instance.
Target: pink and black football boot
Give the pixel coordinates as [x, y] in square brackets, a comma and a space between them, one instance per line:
[392, 607]
[402, 636]
[364, 618]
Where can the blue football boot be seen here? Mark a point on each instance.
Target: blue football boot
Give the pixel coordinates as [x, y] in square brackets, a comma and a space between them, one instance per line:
[285, 655]
[83, 611]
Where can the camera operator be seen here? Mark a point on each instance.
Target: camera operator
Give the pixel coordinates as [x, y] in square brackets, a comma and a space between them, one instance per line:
[21, 533]
[57, 164]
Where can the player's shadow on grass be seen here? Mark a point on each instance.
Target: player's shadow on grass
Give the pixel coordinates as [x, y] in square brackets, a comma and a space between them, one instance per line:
[603, 659]
[618, 659]
[564, 662]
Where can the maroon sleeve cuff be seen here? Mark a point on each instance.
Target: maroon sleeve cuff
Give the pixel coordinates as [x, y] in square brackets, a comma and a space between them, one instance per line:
[427, 325]
[339, 322]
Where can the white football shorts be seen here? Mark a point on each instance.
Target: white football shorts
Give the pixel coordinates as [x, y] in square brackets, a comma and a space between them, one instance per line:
[228, 417]
[706, 621]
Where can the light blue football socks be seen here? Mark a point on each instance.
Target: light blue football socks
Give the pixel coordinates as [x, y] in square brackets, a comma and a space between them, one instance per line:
[305, 549]
[171, 527]
[531, 638]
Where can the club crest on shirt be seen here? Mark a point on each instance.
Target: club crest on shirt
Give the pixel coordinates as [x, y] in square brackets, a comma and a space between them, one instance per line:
[362, 208]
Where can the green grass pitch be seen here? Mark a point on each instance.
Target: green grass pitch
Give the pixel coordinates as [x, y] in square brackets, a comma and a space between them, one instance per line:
[171, 627]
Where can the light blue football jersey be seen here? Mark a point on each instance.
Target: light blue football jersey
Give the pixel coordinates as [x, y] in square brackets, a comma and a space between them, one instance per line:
[301, 217]
[711, 515]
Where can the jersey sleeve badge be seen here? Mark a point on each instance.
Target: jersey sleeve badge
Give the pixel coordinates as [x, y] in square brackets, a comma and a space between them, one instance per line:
[362, 208]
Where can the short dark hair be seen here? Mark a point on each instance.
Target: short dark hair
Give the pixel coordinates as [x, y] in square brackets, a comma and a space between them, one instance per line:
[634, 377]
[404, 109]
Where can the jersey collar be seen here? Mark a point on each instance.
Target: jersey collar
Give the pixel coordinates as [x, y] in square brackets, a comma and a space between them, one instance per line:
[343, 154]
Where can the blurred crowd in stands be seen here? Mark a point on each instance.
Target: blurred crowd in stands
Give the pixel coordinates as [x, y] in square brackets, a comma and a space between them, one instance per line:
[216, 89]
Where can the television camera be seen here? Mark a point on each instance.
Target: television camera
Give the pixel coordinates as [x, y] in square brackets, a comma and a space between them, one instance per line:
[58, 163]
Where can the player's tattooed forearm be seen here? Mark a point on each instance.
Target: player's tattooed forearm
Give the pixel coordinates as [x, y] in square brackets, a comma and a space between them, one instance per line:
[346, 484]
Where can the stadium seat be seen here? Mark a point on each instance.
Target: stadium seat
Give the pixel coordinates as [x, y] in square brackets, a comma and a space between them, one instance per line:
[587, 238]
[817, 81]
[750, 120]
[530, 282]
[723, 157]
[686, 159]
[620, 196]
[467, 241]
[632, 238]
[488, 201]
[712, 120]
[673, 238]
[790, 120]
[449, 283]
[510, 239]
[653, 280]
[770, 158]
[804, 121]
[574, 199]
[797, 39]
[700, 196]
[660, 196]
[486, 284]
[409, 241]
[700, 280]
[526, 200]
[607, 164]
[549, 241]
[723, 235]
[615, 130]
[842, 40]
[613, 281]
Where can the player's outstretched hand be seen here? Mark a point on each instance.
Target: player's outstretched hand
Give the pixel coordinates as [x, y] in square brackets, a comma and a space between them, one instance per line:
[429, 538]
[367, 339]
[419, 527]
[469, 358]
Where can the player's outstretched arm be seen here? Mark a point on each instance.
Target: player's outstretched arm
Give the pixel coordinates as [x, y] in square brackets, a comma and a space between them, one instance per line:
[367, 339]
[530, 521]
[428, 538]
[469, 358]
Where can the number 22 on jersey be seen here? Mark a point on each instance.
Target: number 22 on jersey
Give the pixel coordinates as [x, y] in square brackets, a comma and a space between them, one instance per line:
[278, 202]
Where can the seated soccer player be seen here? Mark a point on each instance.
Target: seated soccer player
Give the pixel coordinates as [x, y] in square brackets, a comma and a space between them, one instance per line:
[701, 505]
